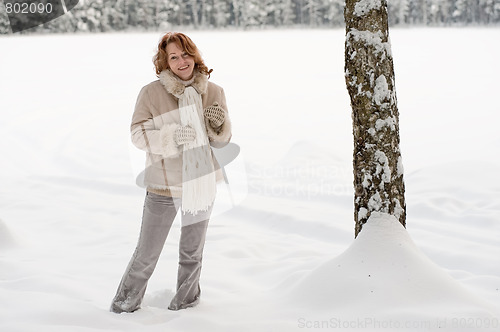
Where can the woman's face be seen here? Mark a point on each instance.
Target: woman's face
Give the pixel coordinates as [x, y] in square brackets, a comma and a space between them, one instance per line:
[181, 63]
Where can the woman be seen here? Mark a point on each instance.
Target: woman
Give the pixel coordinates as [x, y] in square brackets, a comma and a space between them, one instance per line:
[175, 120]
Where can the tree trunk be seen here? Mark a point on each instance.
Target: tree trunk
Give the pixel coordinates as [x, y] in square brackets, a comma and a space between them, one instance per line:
[236, 10]
[194, 12]
[369, 74]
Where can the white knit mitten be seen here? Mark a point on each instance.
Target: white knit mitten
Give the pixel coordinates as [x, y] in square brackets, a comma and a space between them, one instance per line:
[215, 114]
[184, 134]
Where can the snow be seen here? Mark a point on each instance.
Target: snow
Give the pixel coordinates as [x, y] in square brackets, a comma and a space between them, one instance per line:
[382, 167]
[381, 90]
[363, 7]
[367, 178]
[373, 39]
[375, 202]
[6, 239]
[280, 253]
[362, 213]
[400, 168]
[387, 122]
[398, 209]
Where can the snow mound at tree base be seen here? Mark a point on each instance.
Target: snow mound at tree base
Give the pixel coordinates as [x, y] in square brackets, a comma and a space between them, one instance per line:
[6, 239]
[384, 273]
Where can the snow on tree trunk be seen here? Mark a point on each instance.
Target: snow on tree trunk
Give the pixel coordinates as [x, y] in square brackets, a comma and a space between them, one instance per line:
[369, 73]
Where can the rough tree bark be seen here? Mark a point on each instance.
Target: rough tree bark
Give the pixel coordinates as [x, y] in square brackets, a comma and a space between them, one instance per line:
[369, 74]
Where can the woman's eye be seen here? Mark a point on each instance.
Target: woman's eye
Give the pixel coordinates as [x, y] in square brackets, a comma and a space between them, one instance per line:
[173, 58]
[184, 55]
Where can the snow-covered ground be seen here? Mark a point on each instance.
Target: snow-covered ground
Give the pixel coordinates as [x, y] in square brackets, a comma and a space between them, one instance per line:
[280, 253]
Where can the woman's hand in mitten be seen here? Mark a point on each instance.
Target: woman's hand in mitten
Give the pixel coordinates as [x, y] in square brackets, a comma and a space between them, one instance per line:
[184, 134]
[215, 114]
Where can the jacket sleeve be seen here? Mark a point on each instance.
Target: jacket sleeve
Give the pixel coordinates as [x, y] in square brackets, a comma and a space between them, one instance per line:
[220, 137]
[144, 133]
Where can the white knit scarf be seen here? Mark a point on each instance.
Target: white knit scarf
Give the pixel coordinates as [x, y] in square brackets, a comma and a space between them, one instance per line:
[198, 175]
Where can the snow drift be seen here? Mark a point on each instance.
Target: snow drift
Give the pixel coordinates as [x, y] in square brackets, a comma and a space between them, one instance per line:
[384, 274]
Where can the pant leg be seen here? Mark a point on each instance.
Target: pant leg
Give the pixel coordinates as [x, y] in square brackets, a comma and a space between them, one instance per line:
[191, 247]
[158, 216]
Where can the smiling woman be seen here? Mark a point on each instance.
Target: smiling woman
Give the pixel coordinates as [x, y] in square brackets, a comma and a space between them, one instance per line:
[175, 121]
[176, 46]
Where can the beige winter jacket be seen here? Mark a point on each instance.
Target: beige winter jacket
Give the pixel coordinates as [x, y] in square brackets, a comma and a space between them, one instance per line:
[155, 119]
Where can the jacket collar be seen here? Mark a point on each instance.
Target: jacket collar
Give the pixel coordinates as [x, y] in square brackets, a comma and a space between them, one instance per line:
[176, 87]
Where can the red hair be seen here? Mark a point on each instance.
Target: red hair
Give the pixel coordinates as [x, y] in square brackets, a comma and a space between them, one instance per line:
[185, 43]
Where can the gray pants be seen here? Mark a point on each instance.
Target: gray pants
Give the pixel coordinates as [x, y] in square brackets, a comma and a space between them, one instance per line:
[158, 216]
